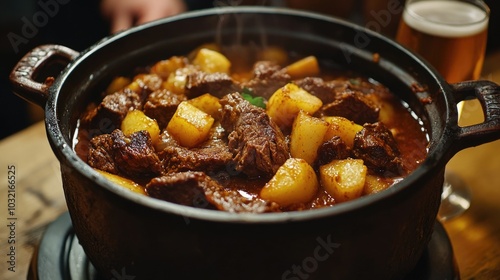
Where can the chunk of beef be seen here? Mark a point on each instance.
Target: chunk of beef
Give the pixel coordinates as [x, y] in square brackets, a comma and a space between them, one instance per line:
[332, 149]
[132, 156]
[354, 106]
[196, 189]
[217, 84]
[212, 155]
[232, 201]
[267, 78]
[184, 188]
[327, 91]
[259, 147]
[377, 147]
[135, 155]
[108, 115]
[367, 86]
[161, 105]
[177, 158]
[101, 155]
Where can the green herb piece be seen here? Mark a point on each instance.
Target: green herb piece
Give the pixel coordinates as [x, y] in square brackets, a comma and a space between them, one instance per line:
[257, 101]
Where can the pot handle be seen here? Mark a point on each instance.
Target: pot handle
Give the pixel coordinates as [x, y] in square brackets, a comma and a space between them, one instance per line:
[488, 94]
[24, 75]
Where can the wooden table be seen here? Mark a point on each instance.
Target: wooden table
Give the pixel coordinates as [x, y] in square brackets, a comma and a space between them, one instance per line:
[39, 198]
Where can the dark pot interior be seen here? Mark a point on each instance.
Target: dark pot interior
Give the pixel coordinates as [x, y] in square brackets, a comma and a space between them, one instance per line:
[381, 236]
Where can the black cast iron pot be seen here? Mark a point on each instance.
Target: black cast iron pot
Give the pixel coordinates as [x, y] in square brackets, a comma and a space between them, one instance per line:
[381, 236]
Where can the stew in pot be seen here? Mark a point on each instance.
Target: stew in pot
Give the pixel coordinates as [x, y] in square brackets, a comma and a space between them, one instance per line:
[266, 131]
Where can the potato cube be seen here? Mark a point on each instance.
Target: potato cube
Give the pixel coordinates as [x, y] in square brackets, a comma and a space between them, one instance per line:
[137, 83]
[212, 61]
[342, 127]
[375, 184]
[387, 112]
[165, 67]
[307, 135]
[124, 182]
[189, 125]
[210, 46]
[134, 86]
[136, 120]
[176, 82]
[117, 84]
[305, 67]
[344, 179]
[284, 105]
[207, 103]
[294, 182]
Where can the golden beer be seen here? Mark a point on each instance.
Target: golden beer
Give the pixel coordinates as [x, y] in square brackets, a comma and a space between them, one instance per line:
[450, 35]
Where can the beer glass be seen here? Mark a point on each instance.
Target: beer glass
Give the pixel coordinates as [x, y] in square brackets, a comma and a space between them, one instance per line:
[451, 35]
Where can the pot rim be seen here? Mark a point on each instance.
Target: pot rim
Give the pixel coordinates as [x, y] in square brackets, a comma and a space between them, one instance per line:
[64, 150]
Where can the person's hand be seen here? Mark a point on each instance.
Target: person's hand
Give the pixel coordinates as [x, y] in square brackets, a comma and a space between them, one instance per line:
[124, 14]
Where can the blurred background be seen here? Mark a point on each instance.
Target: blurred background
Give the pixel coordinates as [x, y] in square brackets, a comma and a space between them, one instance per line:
[78, 24]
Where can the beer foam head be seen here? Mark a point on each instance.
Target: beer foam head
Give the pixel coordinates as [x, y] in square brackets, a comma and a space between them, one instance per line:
[446, 18]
